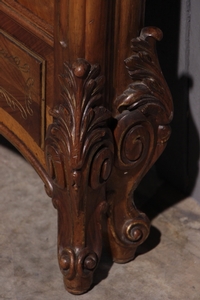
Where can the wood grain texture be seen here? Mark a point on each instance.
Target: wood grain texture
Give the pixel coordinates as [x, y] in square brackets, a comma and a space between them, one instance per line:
[26, 50]
[128, 21]
[37, 23]
[44, 10]
[25, 99]
[80, 32]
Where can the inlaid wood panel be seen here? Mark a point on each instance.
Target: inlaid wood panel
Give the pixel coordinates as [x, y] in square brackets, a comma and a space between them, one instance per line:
[22, 88]
[35, 16]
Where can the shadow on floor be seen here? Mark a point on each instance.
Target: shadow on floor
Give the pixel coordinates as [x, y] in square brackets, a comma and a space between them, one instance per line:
[5, 143]
[104, 267]
[153, 197]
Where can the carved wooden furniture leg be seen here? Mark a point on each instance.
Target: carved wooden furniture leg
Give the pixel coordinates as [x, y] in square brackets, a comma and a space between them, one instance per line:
[79, 154]
[79, 144]
[144, 112]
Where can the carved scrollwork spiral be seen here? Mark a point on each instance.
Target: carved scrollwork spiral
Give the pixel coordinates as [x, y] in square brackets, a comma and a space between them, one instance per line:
[67, 263]
[136, 231]
[73, 264]
[101, 167]
[133, 136]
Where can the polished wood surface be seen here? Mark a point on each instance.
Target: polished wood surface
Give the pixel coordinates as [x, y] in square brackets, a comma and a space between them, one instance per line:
[43, 9]
[83, 98]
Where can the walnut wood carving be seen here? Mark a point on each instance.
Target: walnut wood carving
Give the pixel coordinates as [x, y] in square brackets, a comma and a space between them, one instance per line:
[80, 146]
[79, 155]
[144, 112]
[91, 114]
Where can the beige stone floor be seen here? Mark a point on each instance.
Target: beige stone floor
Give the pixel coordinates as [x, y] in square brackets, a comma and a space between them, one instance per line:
[167, 266]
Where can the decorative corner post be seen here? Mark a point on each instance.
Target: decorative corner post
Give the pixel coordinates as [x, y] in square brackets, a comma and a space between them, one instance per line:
[142, 130]
[79, 156]
[79, 144]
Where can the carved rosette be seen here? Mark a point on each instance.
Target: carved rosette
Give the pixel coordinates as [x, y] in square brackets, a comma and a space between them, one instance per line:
[144, 113]
[79, 156]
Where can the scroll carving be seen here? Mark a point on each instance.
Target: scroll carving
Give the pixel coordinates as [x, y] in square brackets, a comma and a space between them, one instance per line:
[144, 114]
[79, 156]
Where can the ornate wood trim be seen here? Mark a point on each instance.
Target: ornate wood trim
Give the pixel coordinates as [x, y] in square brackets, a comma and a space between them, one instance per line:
[144, 113]
[79, 156]
[95, 159]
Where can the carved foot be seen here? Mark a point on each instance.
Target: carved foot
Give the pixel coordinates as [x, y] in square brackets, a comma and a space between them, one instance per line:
[127, 228]
[79, 155]
[144, 114]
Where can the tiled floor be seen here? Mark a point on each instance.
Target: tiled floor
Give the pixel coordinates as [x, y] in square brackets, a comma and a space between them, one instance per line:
[167, 266]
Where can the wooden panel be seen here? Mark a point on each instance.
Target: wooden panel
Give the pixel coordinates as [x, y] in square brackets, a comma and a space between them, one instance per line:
[43, 9]
[39, 21]
[22, 86]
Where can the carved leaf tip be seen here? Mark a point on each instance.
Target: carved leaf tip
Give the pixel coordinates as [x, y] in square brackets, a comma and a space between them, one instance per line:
[149, 86]
[154, 32]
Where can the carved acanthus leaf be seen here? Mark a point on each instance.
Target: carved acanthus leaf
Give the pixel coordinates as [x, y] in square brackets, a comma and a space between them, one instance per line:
[79, 155]
[149, 88]
[80, 121]
[144, 113]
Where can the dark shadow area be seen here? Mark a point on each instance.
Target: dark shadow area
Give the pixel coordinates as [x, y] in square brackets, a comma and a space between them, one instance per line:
[104, 267]
[193, 153]
[166, 16]
[178, 163]
[151, 242]
[175, 173]
[106, 260]
[5, 143]
[153, 197]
